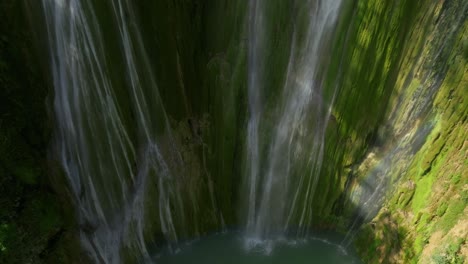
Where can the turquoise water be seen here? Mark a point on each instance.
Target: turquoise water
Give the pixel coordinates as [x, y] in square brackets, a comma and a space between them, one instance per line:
[229, 248]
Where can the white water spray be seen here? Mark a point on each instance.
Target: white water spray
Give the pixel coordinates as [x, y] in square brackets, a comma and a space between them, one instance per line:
[281, 191]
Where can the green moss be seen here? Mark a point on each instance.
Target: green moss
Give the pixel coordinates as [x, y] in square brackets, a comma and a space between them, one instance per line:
[43, 214]
[4, 236]
[27, 175]
[455, 179]
[453, 213]
[439, 198]
[406, 196]
[465, 48]
[451, 253]
[422, 192]
[442, 209]
[420, 242]
[431, 155]
[368, 49]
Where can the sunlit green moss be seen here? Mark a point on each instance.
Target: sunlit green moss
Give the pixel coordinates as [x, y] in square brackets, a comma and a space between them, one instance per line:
[439, 201]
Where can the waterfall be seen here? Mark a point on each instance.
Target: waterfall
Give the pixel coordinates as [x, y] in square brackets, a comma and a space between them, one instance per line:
[135, 185]
[113, 139]
[157, 117]
[281, 178]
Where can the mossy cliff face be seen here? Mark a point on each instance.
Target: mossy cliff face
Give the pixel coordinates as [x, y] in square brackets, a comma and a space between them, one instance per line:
[36, 222]
[424, 217]
[367, 51]
[201, 71]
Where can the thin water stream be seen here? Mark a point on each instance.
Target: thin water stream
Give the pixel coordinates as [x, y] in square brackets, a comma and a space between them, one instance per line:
[282, 177]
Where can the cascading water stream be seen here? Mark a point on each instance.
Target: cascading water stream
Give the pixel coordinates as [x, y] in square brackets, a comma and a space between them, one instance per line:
[112, 136]
[281, 191]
